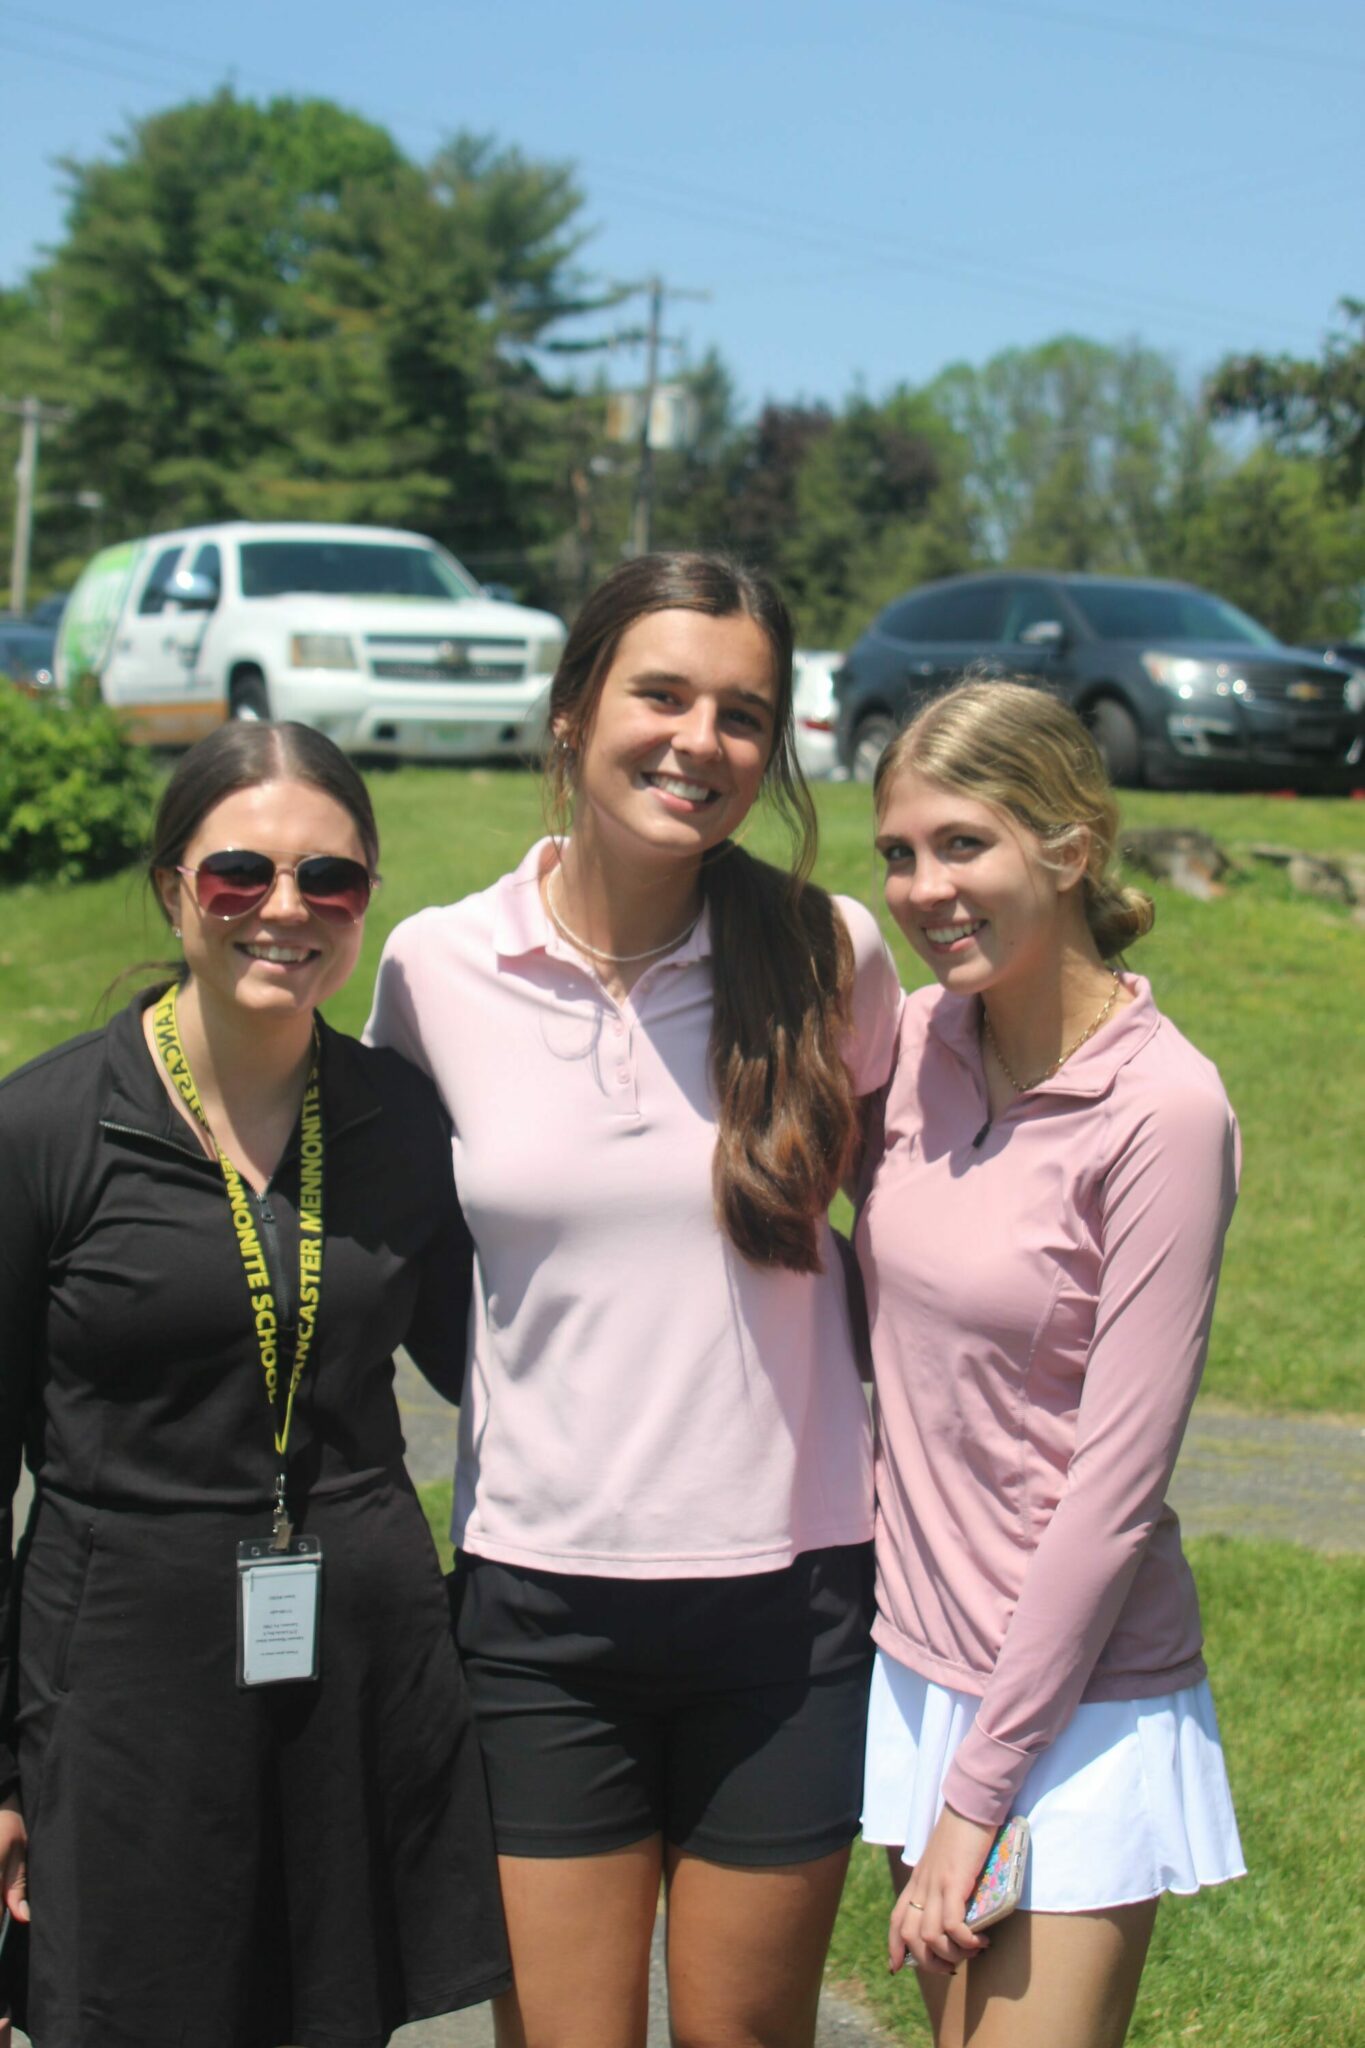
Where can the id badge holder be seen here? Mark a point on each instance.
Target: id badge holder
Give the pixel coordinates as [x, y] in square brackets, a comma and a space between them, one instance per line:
[279, 1609]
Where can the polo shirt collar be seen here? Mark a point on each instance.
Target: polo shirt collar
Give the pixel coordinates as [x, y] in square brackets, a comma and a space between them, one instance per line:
[1090, 1071]
[520, 924]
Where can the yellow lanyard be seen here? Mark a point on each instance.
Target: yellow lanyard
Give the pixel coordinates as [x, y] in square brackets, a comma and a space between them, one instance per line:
[166, 1032]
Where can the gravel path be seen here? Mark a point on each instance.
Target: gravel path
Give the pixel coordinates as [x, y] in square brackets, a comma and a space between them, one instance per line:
[1300, 1479]
[841, 2025]
[1293, 1479]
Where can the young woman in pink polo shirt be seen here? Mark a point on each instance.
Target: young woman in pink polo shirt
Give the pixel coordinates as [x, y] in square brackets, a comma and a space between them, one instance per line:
[651, 1046]
[1041, 1246]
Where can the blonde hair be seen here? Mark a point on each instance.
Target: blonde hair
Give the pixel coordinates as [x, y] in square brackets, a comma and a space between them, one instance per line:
[1026, 753]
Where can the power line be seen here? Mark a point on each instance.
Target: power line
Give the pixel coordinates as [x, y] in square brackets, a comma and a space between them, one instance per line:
[1160, 32]
[1022, 282]
[184, 59]
[751, 219]
[76, 62]
[1014, 10]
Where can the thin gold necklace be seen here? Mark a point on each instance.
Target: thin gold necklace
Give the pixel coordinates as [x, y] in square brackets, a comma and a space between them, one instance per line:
[1022, 1087]
[598, 952]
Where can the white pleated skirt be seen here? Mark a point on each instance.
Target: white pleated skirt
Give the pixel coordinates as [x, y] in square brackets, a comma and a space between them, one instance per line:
[1130, 1801]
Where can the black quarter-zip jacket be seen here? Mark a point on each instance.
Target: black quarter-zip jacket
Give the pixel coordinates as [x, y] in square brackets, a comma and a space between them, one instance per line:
[130, 1373]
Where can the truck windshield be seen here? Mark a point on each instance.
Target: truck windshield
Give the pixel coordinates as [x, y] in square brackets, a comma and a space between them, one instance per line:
[349, 568]
[1143, 611]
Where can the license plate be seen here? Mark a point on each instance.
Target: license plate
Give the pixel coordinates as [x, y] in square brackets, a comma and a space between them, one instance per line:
[1315, 739]
[443, 735]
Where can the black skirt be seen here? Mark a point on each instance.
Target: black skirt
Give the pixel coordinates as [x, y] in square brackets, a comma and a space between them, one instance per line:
[305, 1863]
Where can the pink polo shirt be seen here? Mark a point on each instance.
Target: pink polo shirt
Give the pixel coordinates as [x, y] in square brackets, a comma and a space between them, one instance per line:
[640, 1402]
[1040, 1290]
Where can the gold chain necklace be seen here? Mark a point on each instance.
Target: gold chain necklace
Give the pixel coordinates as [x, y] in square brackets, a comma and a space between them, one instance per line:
[596, 952]
[1022, 1087]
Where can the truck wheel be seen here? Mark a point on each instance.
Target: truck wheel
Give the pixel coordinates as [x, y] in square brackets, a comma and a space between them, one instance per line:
[871, 738]
[1118, 739]
[247, 698]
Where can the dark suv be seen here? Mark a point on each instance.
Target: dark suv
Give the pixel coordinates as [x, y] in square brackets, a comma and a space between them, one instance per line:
[1177, 686]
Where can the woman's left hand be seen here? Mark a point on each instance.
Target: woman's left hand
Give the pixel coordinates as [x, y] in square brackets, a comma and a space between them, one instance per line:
[927, 1924]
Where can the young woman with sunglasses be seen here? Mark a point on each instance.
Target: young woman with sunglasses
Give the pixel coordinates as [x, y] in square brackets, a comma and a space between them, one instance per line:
[1041, 1245]
[651, 1045]
[239, 1740]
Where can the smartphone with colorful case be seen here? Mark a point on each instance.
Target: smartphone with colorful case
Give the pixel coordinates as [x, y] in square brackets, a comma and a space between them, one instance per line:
[1001, 1883]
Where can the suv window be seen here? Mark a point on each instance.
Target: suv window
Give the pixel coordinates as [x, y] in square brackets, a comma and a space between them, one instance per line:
[347, 568]
[1145, 611]
[153, 599]
[966, 612]
[1029, 605]
[209, 562]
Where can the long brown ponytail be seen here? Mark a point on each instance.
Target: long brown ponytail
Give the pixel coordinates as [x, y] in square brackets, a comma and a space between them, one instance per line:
[781, 957]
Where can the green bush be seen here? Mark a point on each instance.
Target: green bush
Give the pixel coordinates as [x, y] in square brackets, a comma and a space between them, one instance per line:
[75, 795]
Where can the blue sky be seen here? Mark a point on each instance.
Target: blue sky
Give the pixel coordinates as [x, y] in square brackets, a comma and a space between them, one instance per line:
[868, 191]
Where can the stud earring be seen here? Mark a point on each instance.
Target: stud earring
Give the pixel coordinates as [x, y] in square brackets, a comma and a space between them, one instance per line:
[175, 931]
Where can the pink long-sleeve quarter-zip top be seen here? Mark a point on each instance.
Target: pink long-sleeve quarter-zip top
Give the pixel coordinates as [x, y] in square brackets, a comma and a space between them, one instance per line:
[1040, 1289]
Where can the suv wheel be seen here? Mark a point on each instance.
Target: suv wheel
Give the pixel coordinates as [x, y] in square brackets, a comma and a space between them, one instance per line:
[1118, 739]
[871, 738]
[247, 698]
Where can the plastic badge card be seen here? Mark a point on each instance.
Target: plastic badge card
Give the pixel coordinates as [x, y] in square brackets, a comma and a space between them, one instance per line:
[278, 1609]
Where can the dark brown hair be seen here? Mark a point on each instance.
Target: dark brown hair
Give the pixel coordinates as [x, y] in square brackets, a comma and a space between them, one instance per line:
[782, 959]
[241, 755]
[1025, 752]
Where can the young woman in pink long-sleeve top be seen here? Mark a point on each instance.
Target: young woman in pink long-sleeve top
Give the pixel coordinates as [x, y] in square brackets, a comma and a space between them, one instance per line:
[1041, 1246]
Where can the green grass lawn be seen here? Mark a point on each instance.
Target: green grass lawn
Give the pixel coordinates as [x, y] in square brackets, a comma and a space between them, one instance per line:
[1271, 986]
[1275, 1960]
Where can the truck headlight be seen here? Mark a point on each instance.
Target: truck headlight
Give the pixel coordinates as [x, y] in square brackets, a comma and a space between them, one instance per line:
[322, 650]
[1178, 672]
[542, 656]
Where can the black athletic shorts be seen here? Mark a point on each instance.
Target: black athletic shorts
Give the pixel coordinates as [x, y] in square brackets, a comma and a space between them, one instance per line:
[727, 1715]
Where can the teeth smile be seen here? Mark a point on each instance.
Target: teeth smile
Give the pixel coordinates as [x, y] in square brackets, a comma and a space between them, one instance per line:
[944, 934]
[673, 785]
[282, 956]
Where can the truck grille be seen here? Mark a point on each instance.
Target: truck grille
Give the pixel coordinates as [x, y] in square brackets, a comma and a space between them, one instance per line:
[1310, 693]
[418, 658]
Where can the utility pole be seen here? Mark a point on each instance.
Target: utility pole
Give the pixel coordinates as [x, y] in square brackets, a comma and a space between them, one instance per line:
[652, 338]
[33, 415]
[642, 516]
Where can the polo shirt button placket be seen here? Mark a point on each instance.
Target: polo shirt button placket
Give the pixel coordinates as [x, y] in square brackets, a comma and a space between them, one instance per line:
[624, 1079]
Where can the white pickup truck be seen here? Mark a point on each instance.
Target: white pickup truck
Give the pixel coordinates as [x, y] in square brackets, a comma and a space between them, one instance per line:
[377, 637]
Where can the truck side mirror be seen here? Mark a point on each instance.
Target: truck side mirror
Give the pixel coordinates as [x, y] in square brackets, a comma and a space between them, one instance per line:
[191, 592]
